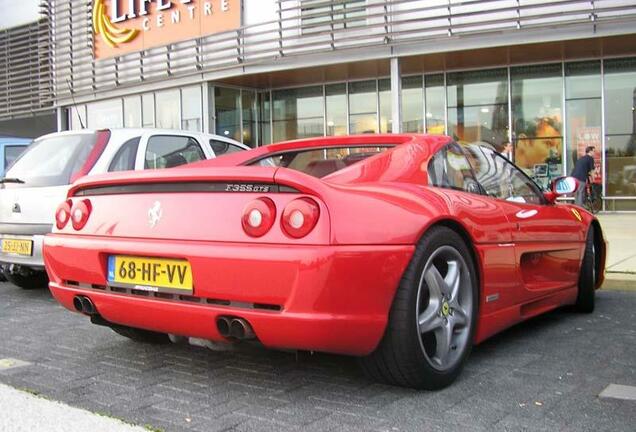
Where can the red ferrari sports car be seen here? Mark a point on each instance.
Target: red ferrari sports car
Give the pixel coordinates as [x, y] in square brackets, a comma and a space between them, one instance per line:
[404, 250]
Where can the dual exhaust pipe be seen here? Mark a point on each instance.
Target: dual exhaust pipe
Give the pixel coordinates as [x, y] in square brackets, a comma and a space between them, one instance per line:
[237, 328]
[84, 305]
[229, 327]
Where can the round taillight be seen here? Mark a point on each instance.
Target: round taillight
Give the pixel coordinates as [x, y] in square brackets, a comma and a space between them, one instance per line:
[63, 214]
[300, 217]
[79, 213]
[258, 217]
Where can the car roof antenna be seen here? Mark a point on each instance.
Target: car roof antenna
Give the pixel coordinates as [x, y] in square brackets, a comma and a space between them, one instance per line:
[68, 83]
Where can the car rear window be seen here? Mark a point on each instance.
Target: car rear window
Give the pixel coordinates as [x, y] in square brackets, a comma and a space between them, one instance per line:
[51, 161]
[322, 161]
[11, 153]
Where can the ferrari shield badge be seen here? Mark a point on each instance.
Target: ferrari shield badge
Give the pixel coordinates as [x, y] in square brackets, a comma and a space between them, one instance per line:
[577, 215]
[154, 214]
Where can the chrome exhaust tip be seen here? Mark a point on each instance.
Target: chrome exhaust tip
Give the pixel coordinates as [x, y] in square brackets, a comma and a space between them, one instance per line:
[223, 326]
[87, 306]
[241, 329]
[77, 304]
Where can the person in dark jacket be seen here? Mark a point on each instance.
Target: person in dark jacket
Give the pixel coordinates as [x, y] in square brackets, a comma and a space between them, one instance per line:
[581, 172]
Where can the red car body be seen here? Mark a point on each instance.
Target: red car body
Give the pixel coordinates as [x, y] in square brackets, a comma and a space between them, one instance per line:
[331, 290]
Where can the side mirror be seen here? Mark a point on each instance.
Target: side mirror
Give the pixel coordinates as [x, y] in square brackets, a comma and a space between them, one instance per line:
[550, 196]
[564, 185]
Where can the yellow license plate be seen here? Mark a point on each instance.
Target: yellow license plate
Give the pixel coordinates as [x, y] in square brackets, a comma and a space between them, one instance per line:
[150, 274]
[17, 247]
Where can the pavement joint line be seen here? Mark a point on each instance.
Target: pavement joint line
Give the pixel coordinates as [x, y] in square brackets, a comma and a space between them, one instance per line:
[11, 363]
[620, 261]
[618, 391]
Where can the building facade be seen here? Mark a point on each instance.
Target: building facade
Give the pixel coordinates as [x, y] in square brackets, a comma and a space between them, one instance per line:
[26, 75]
[538, 79]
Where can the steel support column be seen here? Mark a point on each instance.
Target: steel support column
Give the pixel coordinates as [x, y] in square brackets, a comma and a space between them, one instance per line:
[396, 96]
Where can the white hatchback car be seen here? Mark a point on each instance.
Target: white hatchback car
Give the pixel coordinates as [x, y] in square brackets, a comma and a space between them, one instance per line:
[39, 179]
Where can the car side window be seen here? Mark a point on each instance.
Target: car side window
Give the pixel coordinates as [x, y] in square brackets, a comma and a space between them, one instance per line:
[500, 178]
[221, 147]
[450, 169]
[124, 159]
[165, 151]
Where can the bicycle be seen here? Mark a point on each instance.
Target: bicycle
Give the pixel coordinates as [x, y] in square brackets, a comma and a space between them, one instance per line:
[593, 201]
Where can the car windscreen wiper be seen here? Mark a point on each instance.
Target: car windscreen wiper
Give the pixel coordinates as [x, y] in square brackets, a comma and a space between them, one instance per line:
[10, 180]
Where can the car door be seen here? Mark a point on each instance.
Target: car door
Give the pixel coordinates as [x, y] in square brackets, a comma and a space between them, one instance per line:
[450, 171]
[168, 150]
[546, 237]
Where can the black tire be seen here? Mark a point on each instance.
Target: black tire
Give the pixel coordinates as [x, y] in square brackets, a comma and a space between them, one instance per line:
[401, 358]
[143, 336]
[587, 277]
[34, 280]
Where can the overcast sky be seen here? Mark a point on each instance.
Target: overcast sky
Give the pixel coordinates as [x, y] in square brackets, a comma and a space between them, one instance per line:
[17, 12]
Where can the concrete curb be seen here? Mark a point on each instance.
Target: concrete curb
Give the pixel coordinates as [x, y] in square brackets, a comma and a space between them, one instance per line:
[615, 281]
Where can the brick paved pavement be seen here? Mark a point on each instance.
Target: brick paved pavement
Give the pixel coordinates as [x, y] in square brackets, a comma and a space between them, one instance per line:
[541, 375]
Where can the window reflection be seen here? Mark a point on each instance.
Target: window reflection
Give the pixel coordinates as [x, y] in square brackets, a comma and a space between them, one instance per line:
[412, 104]
[105, 114]
[336, 100]
[148, 110]
[620, 114]
[226, 108]
[384, 94]
[191, 109]
[537, 93]
[363, 109]
[298, 113]
[434, 97]
[478, 107]
[248, 107]
[132, 112]
[264, 116]
[167, 109]
[583, 109]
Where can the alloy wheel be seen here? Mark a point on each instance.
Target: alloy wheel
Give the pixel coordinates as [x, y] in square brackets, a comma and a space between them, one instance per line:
[444, 308]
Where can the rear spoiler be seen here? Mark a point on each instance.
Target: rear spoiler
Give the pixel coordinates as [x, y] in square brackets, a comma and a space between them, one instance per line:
[221, 179]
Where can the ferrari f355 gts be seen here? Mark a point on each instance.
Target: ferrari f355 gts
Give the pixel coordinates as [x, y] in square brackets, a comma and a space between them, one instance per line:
[403, 250]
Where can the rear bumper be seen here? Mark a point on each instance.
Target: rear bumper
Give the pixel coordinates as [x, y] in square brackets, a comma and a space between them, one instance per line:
[331, 298]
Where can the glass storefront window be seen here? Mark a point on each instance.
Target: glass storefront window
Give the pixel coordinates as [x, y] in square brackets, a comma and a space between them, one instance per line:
[412, 104]
[191, 116]
[105, 114]
[248, 106]
[583, 112]
[620, 115]
[386, 114]
[537, 94]
[363, 107]
[228, 116]
[478, 107]
[132, 112]
[148, 110]
[298, 113]
[167, 109]
[336, 104]
[434, 99]
[264, 113]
